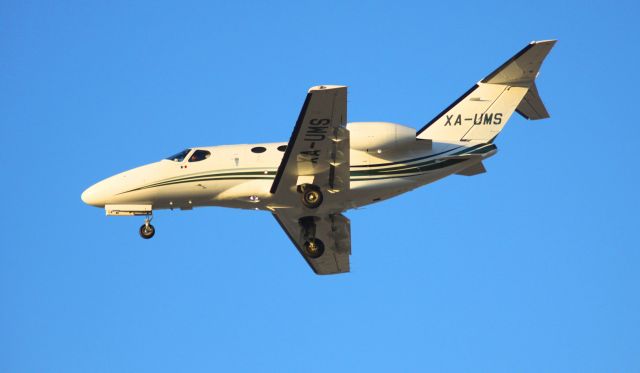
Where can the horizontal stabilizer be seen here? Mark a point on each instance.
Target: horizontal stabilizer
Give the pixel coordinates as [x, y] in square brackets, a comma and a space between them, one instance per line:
[474, 169]
[531, 106]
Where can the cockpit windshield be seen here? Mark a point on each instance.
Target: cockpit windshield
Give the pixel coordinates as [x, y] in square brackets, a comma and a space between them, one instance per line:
[199, 155]
[180, 156]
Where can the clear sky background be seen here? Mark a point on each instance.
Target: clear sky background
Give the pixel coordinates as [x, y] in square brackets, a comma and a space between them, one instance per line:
[533, 266]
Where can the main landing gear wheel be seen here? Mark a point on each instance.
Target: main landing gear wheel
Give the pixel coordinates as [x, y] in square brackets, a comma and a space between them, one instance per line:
[311, 196]
[314, 248]
[147, 230]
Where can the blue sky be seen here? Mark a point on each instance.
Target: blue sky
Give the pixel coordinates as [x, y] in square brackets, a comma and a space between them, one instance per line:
[530, 267]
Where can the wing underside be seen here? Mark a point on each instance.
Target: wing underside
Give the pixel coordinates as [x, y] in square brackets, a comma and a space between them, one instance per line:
[317, 155]
[318, 150]
[333, 230]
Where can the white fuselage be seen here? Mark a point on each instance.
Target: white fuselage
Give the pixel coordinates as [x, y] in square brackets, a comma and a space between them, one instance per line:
[237, 176]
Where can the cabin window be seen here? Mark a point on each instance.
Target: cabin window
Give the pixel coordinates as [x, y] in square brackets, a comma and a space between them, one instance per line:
[199, 155]
[259, 149]
[282, 148]
[180, 156]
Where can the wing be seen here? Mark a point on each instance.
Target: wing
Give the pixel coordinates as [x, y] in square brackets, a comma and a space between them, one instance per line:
[318, 150]
[334, 232]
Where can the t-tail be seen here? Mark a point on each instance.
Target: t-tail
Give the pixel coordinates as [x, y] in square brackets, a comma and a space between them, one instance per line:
[481, 113]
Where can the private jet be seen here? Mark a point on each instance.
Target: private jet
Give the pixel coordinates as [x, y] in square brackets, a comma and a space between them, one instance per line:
[329, 165]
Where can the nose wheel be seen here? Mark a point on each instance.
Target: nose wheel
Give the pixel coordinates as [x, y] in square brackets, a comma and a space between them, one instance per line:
[147, 230]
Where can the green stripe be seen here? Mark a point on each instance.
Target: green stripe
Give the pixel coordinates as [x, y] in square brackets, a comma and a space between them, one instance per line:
[421, 166]
[406, 161]
[206, 176]
[227, 176]
[414, 171]
[380, 172]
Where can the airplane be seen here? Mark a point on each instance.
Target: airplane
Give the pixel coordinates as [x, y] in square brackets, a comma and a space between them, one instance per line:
[329, 166]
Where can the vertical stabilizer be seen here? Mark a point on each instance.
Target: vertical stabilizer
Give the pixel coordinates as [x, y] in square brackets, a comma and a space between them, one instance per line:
[481, 113]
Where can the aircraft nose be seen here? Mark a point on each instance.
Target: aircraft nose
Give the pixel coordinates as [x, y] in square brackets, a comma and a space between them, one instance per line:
[93, 196]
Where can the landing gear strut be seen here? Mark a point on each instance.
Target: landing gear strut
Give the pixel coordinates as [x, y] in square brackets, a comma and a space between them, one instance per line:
[147, 230]
[313, 247]
[311, 195]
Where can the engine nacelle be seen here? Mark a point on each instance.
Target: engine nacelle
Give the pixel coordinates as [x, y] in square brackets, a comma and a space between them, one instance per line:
[379, 136]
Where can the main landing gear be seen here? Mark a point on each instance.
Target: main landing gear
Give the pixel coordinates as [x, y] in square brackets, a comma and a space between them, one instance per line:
[311, 195]
[313, 247]
[147, 230]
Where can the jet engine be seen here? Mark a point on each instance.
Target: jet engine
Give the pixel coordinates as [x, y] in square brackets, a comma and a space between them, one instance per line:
[376, 137]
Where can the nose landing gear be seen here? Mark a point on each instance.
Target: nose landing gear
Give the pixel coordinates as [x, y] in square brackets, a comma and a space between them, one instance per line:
[147, 230]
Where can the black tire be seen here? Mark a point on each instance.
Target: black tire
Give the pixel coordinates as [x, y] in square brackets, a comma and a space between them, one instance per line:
[314, 250]
[147, 232]
[312, 197]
